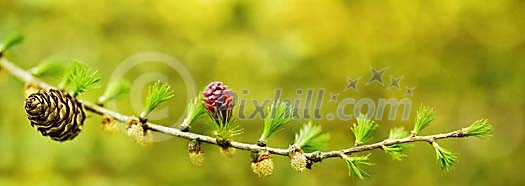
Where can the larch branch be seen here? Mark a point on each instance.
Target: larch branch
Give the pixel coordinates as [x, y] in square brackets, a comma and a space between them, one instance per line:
[28, 78]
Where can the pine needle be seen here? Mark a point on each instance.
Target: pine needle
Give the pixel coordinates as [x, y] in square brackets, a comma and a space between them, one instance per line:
[228, 131]
[50, 67]
[195, 110]
[81, 77]
[396, 151]
[277, 115]
[157, 93]
[446, 158]
[114, 90]
[10, 41]
[363, 129]
[354, 162]
[480, 128]
[310, 138]
[424, 116]
[397, 133]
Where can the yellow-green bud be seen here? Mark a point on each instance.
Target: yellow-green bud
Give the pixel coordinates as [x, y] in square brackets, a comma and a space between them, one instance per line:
[262, 164]
[137, 131]
[298, 160]
[195, 152]
[109, 125]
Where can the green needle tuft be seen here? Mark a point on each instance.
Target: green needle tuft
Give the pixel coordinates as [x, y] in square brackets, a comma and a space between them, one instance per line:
[396, 151]
[50, 67]
[81, 77]
[446, 158]
[354, 168]
[424, 116]
[157, 93]
[10, 41]
[363, 129]
[480, 128]
[310, 138]
[194, 110]
[114, 90]
[277, 115]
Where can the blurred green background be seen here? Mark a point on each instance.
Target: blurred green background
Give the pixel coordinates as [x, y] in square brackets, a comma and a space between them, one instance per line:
[465, 58]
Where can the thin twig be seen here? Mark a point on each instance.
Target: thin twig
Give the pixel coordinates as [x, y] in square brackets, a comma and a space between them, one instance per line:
[28, 78]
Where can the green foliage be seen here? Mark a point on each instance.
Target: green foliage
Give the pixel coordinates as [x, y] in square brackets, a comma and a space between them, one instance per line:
[195, 109]
[50, 67]
[277, 115]
[227, 130]
[354, 162]
[491, 25]
[363, 129]
[310, 138]
[396, 151]
[397, 133]
[424, 116]
[157, 93]
[10, 41]
[446, 158]
[114, 90]
[480, 128]
[81, 77]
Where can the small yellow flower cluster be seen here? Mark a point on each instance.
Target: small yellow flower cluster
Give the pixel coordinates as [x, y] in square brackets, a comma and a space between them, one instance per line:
[137, 132]
[262, 164]
[298, 160]
[195, 152]
[109, 125]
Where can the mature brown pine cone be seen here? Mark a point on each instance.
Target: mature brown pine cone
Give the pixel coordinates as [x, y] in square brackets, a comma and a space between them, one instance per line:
[219, 101]
[55, 114]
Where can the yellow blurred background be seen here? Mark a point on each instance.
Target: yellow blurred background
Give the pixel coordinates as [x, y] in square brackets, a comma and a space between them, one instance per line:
[465, 59]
